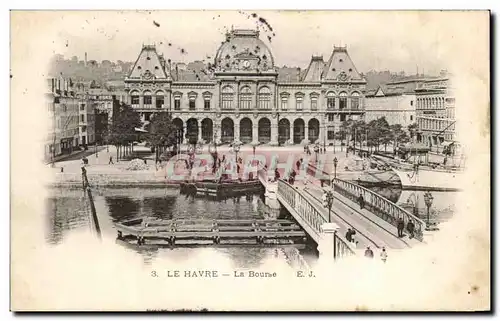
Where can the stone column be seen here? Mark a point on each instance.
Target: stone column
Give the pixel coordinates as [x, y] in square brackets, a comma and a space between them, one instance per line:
[306, 131]
[141, 101]
[153, 101]
[255, 132]
[326, 246]
[199, 131]
[274, 132]
[184, 133]
[291, 132]
[237, 130]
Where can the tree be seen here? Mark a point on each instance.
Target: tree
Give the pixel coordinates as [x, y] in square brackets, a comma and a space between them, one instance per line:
[122, 130]
[398, 135]
[161, 132]
[413, 129]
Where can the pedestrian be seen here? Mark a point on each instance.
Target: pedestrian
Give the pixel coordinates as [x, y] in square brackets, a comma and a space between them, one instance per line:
[401, 226]
[383, 255]
[411, 228]
[369, 253]
[361, 201]
[348, 235]
[276, 174]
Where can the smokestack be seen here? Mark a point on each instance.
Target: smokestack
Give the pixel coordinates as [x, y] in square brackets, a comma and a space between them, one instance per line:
[85, 59]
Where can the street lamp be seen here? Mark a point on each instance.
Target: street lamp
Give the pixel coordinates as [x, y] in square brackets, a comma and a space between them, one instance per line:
[428, 198]
[96, 152]
[335, 161]
[327, 202]
[316, 150]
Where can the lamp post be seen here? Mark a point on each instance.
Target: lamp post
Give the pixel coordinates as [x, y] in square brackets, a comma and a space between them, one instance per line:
[96, 152]
[328, 202]
[278, 120]
[316, 150]
[335, 161]
[428, 198]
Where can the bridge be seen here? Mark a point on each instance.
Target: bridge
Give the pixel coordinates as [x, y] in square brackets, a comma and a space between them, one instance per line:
[375, 223]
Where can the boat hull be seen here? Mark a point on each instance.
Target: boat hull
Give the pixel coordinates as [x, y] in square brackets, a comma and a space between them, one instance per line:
[426, 179]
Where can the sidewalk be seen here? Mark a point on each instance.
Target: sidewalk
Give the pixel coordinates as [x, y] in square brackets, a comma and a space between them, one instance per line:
[375, 228]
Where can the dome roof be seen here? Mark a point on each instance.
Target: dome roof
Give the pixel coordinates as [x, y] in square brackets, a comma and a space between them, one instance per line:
[243, 51]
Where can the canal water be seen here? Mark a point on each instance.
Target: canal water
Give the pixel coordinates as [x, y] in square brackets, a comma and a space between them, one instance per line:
[67, 211]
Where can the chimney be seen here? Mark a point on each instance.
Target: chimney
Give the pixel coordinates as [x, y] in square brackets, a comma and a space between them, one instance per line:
[85, 59]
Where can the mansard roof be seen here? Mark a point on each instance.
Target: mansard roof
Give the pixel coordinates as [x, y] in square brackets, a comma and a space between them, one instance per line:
[149, 65]
[340, 67]
[314, 70]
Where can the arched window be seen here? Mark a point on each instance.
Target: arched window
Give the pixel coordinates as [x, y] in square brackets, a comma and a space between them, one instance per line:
[160, 99]
[264, 98]
[227, 97]
[134, 98]
[355, 100]
[147, 98]
[343, 100]
[330, 100]
[245, 97]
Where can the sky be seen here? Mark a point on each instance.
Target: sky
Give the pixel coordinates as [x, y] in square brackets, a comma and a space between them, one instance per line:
[396, 41]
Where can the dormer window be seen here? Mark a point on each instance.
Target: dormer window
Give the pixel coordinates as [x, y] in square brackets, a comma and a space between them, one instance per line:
[148, 58]
[139, 67]
[156, 67]
[264, 57]
[341, 60]
[333, 69]
[350, 69]
[228, 57]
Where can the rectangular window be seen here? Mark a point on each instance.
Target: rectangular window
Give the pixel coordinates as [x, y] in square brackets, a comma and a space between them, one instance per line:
[56, 100]
[331, 117]
[192, 104]
[314, 103]
[206, 105]
[227, 101]
[84, 129]
[148, 100]
[177, 104]
[342, 117]
[411, 102]
[134, 100]
[82, 117]
[299, 103]
[330, 103]
[82, 107]
[330, 134]
[411, 117]
[284, 103]
[147, 116]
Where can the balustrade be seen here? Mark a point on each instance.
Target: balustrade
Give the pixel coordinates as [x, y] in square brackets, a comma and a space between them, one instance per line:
[311, 215]
[379, 205]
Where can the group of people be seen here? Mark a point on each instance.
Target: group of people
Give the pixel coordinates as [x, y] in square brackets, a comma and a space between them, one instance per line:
[369, 254]
[410, 227]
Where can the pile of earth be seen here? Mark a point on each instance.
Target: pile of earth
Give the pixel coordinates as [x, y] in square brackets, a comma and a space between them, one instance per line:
[137, 165]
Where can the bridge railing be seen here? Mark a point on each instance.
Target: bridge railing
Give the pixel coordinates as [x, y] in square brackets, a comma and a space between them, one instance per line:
[379, 205]
[311, 215]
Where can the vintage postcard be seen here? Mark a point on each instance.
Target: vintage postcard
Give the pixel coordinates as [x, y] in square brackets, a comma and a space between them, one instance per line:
[250, 160]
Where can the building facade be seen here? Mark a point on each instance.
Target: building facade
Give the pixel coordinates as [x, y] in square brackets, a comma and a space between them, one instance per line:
[435, 112]
[243, 96]
[398, 105]
[62, 103]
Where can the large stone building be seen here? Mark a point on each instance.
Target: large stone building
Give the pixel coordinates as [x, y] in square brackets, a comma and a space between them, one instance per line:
[62, 104]
[436, 112]
[243, 96]
[396, 101]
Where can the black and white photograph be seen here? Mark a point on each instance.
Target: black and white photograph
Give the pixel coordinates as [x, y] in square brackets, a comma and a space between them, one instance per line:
[243, 160]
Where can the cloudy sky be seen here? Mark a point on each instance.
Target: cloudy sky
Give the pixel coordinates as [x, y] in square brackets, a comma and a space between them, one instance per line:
[375, 40]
